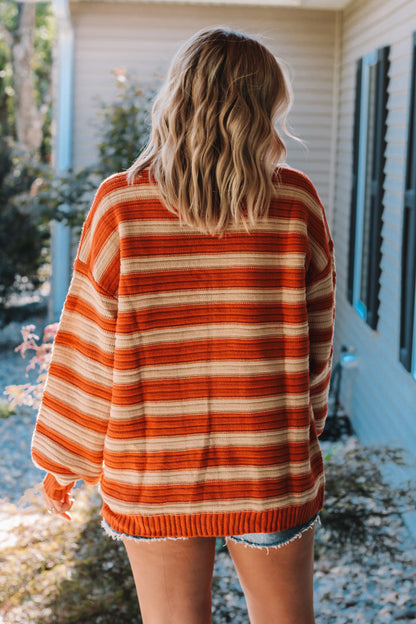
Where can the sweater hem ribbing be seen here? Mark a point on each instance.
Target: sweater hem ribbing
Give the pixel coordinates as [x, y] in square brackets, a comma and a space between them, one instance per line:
[212, 524]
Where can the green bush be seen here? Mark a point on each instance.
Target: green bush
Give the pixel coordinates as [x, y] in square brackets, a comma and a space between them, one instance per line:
[123, 130]
[124, 126]
[23, 237]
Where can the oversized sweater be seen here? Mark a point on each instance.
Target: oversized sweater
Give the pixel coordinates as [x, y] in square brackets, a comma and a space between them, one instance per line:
[190, 372]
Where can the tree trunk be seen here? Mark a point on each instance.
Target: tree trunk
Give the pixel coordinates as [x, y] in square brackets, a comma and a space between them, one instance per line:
[29, 119]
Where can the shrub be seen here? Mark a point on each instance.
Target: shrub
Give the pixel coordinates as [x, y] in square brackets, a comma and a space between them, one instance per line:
[123, 130]
[23, 237]
[29, 394]
[124, 125]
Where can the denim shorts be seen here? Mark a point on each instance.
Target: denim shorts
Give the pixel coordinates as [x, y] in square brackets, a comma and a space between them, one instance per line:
[255, 540]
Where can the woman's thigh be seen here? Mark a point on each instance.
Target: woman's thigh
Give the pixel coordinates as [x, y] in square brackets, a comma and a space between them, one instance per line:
[173, 579]
[277, 582]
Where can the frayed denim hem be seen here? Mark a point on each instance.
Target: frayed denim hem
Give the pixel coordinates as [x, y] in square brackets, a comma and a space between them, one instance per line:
[280, 539]
[115, 535]
[250, 540]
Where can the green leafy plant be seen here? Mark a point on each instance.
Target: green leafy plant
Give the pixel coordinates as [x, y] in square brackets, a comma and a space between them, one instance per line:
[124, 125]
[23, 238]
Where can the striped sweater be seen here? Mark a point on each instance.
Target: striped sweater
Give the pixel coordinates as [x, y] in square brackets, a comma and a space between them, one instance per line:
[190, 373]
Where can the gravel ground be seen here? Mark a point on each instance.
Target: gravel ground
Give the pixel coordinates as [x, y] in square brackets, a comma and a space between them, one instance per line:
[350, 587]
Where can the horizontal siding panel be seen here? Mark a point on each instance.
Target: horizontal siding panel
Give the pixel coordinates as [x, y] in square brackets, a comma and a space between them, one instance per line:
[384, 394]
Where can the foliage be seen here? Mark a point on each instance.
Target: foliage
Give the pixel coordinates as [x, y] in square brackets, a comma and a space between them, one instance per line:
[123, 129]
[124, 125]
[359, 501]
[44, 36]
[62, 197]
[61, 572]
[32, 193]
[29, 394]
[22, 236]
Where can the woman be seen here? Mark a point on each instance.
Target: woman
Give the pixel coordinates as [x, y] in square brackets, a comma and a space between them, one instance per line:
[190, 372]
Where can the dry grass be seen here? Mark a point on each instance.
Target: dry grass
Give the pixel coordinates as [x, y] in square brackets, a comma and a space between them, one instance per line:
[58, 572]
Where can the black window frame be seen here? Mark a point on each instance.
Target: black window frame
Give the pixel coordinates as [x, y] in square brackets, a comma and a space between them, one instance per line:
[408, 281]
[378, 148]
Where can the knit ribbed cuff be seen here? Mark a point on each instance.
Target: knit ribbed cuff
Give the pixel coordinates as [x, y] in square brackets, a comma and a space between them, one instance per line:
[54, 490]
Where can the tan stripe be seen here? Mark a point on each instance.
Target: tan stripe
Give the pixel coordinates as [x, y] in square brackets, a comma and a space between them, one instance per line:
[91, 333]
[218, 474]
[320, 258]
[75, 397]
[83, 288]
[198, 441]
[220, 368]
[320, 289]
[209, 405]
[89, 439]
[211, 261]
[164, 227]
[211, 296]
[286, 191]
[127, 193]
[82, 365]
[56, 453]
[211, 331]
[321, 351]
[321, 320]
[106, 255]
[212, 507]
[320, 399]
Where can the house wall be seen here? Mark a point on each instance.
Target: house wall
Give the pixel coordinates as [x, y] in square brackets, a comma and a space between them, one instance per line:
[383, 394]
[143, 37]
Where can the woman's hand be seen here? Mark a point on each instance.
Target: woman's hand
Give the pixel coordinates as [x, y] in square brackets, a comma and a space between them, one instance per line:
[60, 508]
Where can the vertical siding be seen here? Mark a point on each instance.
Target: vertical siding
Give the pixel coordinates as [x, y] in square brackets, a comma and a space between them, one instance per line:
[142, 38]
[384, 394]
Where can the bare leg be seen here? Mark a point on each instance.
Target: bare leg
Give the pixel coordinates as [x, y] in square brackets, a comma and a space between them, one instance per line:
[173, 579]
[278, 583]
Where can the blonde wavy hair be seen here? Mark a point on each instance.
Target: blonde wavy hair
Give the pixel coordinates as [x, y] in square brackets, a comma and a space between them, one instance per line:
[214, 147]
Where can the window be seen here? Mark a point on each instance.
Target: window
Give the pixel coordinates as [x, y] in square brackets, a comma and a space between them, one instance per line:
[368, 178]
[408, 307]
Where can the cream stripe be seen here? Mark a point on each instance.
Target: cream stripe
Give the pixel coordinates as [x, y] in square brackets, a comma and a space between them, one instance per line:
[321, 351]
[80, 364]
[77, 398]
[126, 193]
[212, 331]
[320, 258]
[320, 289]
[218, 474]
[82, 288]
[196, 407]
[295, 192]
[213, 507]
[199, 441]
[108, 252]
[219, 368]
[82, 326]
[164, 227]
[89, 439]
[56, 453]
[211, 296]
[211, 261]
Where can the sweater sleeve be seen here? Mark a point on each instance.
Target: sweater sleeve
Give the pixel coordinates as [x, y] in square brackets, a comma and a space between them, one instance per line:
[320, 295]
[72, 421]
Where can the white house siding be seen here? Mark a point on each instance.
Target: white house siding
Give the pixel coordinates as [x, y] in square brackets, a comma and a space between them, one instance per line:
[143, 37]
[384, 395]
